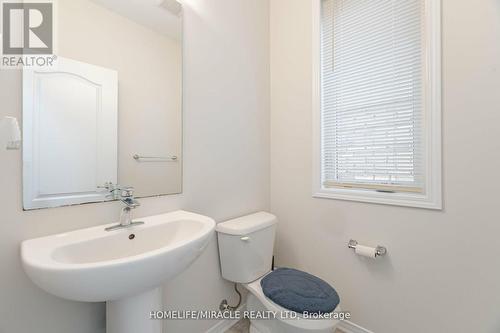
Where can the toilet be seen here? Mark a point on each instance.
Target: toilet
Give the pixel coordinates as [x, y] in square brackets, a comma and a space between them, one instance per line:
[246, 250]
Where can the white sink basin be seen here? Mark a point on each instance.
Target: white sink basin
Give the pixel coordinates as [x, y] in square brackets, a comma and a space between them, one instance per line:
[95, 265]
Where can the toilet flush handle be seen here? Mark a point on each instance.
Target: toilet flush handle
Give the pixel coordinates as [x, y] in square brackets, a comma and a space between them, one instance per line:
[245, 238]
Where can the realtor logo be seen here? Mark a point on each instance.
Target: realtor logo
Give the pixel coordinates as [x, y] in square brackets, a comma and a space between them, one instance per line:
[27, 28]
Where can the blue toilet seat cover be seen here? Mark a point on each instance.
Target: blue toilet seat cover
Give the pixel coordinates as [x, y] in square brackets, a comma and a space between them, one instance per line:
[299, 291]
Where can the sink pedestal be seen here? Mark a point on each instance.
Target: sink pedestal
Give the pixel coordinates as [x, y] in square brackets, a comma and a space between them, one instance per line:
[132, 314]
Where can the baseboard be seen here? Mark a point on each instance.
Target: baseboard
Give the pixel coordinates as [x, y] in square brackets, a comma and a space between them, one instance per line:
[345, 325]
[349, 327]
[223, 325]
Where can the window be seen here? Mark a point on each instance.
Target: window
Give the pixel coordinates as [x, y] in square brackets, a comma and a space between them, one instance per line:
[378, 101]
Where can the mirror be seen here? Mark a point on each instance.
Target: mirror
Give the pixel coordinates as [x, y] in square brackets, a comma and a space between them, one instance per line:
[109, 110]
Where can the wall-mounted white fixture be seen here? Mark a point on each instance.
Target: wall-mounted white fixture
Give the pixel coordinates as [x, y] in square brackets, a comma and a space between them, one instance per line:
[11, 133]
[124, 268]
[172, 6]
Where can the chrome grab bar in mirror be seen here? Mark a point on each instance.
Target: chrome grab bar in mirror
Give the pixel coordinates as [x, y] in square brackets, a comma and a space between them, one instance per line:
[140, 158]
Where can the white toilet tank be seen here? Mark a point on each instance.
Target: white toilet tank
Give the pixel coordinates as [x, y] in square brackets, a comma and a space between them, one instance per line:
[246, 246]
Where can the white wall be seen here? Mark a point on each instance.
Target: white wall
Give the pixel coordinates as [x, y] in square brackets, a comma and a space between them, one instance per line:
[442, 272]
[226, 171]
[226, 133]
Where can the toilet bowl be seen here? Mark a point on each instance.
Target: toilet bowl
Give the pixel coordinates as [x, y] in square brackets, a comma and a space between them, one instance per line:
[245, 249]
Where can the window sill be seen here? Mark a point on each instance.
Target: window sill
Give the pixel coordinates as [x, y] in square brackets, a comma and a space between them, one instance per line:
[415, 200]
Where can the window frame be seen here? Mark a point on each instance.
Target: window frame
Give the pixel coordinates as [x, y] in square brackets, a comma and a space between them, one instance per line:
[431, 198]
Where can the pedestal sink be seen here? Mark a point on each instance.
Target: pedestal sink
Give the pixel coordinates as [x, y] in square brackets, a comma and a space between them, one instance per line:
[124, 268]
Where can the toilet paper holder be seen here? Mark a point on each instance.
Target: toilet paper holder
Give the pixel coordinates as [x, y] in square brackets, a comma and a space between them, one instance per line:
[379, 250]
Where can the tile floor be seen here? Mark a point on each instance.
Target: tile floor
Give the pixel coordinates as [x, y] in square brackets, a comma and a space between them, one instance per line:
[243, 326]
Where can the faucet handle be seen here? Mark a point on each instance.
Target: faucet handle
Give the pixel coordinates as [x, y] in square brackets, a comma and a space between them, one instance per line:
[127, 192]
[110, 190]
[108, 186]
[110, 195]
[130, 203]
[116, 191]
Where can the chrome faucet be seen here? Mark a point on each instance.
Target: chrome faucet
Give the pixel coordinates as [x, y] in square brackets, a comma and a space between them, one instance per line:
[126, 196]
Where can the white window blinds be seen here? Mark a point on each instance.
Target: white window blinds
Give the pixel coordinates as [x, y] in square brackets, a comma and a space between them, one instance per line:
[372, 96]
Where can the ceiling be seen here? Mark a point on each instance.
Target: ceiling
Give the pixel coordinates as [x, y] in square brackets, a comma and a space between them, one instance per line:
[154, 14]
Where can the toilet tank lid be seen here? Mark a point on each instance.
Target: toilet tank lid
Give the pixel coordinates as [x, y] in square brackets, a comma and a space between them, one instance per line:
[247, 224]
